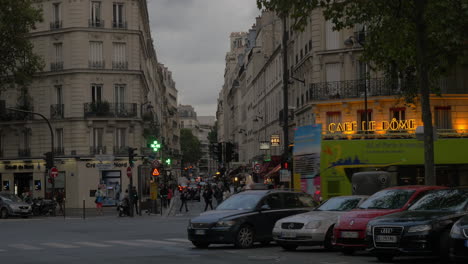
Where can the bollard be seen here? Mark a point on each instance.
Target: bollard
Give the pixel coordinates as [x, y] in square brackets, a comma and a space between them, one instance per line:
[84, 214]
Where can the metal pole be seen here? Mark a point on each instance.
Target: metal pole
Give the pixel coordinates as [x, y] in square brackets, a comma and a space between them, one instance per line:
[84, 213]
[285, 95]
[365, 109]
[64, 195]
[51, 144]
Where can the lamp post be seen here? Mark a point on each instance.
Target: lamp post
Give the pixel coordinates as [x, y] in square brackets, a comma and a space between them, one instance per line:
[285, 95]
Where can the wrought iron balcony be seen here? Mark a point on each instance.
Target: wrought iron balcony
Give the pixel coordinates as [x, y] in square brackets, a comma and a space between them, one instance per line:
[56, 66]
[97, 150]
[119, 24]
[120, 150]
[353, 89]
[96, 23]
[10, 115]
[56, 111]
[26, 152]
[120, 65]
[105, 109]
[56, 24]
[97, 64]
[59, 151]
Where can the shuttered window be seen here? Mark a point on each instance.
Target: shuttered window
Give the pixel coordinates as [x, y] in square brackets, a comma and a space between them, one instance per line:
[443, 117]
[95, 51]
[332, 37]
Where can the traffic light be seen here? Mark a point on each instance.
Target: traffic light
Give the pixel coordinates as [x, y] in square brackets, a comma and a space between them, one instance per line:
[285, 165]
[155, 146]
[49, 158]
[131, 156]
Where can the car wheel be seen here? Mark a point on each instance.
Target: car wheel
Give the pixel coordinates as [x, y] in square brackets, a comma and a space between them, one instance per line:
[347, 251]
[245, 237]
[327, 243]
[200, 244]
[289, 247]
[4, 213]
[385, 258]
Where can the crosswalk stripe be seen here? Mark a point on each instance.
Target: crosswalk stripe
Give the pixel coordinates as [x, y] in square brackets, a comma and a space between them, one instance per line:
[125, 243]
[183, 240]
[92, 244]
[58, 245]
[24, 246]
[157, 242]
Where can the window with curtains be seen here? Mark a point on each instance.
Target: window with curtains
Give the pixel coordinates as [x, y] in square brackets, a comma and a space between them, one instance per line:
[443, 117]
[118, 20]
[333, 117]
[96, 93]
[25, 143]
[119, 60]
[333, 76]
[119, 98]
[59, 141]
[397, 113]
[332, 38]
[57, 60]
[96, 60]
[98, 140]
[120, 138]
[56, 16]
[95, 15]
[58, 94]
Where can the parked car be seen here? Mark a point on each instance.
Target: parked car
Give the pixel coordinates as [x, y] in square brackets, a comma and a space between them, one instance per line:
[246, 217]
[424, 229]
[316, 227]
[12, 205]
[350, 230]
[459, 241]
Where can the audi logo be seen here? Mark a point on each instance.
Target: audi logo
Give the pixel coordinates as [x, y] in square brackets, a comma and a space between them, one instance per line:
[386, 230]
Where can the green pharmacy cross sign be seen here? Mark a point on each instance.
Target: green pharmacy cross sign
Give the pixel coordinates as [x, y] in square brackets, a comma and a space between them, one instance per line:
[168, 161]
[155, 146]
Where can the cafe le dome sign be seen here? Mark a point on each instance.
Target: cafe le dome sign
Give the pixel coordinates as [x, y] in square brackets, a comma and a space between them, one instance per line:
[394, 125]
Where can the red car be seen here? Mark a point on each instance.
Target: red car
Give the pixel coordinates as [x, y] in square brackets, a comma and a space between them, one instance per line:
[350, 231]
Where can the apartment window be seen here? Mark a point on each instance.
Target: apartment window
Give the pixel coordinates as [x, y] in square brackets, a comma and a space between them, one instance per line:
[443, 117]
[362, 124]
[118, 20]
[95, 55]
[98, 134]
[58, 94]
[332, 37]
[120, 138]
[95, 14]
[333, 118]
[56, 16]
[119, 60]
[59, 140]
[25, 142]
[96, 93]
[397, 113]
[333, 76]
[57, 63]
[310, 45]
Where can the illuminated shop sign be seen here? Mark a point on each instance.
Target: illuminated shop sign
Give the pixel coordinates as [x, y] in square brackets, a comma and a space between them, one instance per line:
[394, 125]
[275, 140]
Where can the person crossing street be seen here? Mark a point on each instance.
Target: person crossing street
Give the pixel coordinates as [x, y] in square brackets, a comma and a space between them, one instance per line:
[183, 199]
[208, 196]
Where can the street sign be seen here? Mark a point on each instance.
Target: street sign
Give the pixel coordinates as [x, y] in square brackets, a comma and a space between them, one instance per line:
[104, 157]
[129, 172]
[156, 172]
[53, 172]
[257, 168]
[155, 163]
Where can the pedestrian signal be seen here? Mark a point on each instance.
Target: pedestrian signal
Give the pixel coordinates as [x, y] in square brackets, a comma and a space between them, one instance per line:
[155, 172]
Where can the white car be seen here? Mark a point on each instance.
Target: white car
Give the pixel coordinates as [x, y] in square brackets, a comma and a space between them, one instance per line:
[314, 228]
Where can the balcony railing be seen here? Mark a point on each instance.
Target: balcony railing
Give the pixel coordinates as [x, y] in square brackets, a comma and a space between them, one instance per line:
[120, 150]
[10, 115]
[26, 152]
[353, 89]
[119, 24]
[56, 66]
[97, 150]
[97, 64]
[96, 23]
[105, 109]
[59, 151]
[119, 65]
[56, 24]
[56, 111]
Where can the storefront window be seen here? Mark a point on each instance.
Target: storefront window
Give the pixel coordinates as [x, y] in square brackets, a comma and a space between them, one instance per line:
[111, 181]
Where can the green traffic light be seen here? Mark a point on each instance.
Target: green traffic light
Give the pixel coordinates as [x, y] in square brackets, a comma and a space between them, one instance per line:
[155, 146]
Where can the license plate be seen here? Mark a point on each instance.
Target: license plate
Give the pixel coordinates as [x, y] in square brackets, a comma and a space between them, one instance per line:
[386, 239]
[288, 234]
[200, 232]
[24, 210]
[347, 234]
[466, 243]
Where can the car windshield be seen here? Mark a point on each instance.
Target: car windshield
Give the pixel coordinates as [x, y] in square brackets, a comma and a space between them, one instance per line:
[240, 202]
[387, 199]
[443, 200]
[10, 197]
[339, 204]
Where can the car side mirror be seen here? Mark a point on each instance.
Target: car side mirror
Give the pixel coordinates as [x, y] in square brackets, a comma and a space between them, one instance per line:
[265, 207]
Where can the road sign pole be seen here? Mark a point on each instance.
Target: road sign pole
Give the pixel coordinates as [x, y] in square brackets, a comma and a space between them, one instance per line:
[130, 190]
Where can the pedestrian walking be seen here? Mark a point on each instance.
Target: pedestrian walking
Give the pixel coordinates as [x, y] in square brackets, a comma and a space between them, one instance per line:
[170, 193]
[99, 200]
[208, 197]
[218, 195]
[135, 198]
[183, 198]
[60, 199]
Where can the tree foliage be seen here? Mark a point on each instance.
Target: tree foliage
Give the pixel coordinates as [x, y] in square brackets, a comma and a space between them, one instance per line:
[190, 146]
[18, 63]
[213, 134]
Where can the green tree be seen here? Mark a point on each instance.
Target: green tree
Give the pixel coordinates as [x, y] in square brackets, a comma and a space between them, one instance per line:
[190, 146]
[425, 38]
[18, 63]
[213, 134]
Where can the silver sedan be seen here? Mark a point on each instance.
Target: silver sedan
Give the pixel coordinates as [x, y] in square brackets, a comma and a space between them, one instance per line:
[316, 227]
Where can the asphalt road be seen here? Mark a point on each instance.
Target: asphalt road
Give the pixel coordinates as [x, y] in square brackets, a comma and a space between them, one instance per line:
[142, 239]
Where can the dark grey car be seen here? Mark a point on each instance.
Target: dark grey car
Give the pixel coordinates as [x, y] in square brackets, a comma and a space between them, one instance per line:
[12, 205]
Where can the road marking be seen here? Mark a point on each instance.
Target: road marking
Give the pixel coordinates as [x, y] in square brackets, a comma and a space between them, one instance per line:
[156, 242]
[92, 244]
[125, 243]
[24, 246]
[2, 250]
[183, 240]
[59, 245]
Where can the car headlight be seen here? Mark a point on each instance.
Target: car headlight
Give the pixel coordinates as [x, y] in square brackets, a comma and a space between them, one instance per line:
[277, 224]
[313, 225]
[419, 228]
[225, 223]
[456, 231]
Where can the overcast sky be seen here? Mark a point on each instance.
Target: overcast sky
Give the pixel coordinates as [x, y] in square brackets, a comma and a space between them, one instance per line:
[192, 38]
